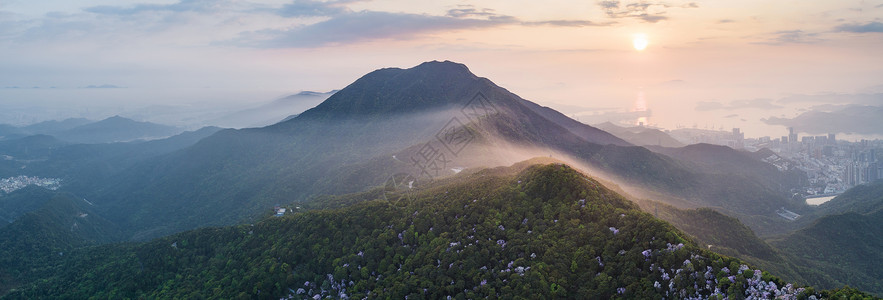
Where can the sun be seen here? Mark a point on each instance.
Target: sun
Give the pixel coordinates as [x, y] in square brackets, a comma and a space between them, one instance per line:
[640, 42]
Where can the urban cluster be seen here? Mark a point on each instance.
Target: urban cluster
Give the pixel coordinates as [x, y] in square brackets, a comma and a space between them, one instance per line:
[832, 166]
[8, 185]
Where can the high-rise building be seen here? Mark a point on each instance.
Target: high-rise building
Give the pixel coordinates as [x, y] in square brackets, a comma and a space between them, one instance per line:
[879, 171]
[849, 175]
[792, 138]
[872, 172]
[831, 139]
[738, 137]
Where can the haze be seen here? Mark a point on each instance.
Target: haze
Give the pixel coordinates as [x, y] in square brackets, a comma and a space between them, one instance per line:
[719, 64]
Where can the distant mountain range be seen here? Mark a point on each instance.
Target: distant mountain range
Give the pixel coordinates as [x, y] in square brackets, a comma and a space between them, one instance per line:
[389, 132]
[853, 119]
[83, 131]
[428, 121]
[116, 129]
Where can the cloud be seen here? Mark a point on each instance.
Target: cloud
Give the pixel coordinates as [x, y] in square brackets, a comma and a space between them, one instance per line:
[759, 103]
[181, 6]
[563, 23]
[308, 8]
[469, 11]
[108, 24]
[783, 37]
[652, 18]
[355, 27]
[12, 24]
[724, 21]
[297, 24]
[849, 119]
[731, 116]
[359, 27]
[791, 37]
[609, 4]
[861, 28]
[649, 12]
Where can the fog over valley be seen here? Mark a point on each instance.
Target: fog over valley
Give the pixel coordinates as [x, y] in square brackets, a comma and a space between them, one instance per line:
[300, 149]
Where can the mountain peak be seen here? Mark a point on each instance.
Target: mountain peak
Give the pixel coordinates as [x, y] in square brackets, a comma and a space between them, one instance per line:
[444, 86]
[116, 118]
[443, 66]
[425, 87]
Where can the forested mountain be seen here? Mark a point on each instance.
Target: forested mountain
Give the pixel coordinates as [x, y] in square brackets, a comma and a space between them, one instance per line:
[29, 147]
[21, 202]
[538, 231]
[865, 198]
[428, 121]
[52, 127]
[116, 129]
[725, 160]
[843, 240]
[84, 131]
[421, 128]
[45, 226]
[8, 131]
[241, 172]
[846, 247]
[47, 156]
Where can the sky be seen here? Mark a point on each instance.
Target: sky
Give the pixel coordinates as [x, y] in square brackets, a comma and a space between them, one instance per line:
[709, 64]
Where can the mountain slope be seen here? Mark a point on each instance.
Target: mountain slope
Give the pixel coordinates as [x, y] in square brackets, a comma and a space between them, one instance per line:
[39, 239]
[845, 247]
[30, 147]
[51, 127]
[545, 232]
[22, 201]
[244, 171]
[726, 160]
[428, 121]
[843, 240]
[116, 129]
[863, 198]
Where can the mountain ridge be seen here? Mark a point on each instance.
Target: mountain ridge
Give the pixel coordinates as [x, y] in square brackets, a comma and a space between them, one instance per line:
[116, 129]
[462, 237]
[439, 108]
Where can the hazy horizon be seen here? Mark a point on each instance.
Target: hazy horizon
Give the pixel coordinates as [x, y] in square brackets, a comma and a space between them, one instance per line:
[716, 65]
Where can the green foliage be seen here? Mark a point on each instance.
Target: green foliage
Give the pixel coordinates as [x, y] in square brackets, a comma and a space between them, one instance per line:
[38, 240]
[865, 198]
[547, 232]
[840, 249]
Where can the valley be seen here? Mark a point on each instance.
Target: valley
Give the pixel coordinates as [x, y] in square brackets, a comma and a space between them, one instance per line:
[419, 182]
